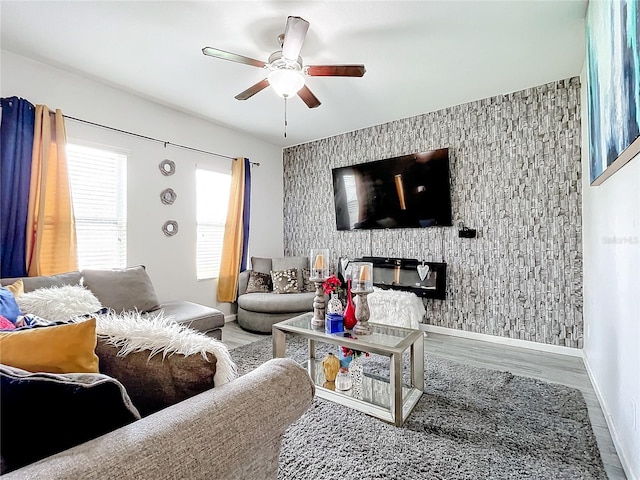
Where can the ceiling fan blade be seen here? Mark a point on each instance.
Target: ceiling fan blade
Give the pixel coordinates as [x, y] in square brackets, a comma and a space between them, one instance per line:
[335, 70]
[309, 98]
[294, 34]
[252, 90]
[214, 52]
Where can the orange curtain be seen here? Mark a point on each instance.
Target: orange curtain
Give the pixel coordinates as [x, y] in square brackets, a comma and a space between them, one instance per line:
[51, 230]
[232, 242]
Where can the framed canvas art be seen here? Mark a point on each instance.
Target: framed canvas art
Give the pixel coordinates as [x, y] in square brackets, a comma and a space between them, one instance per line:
[613, 85]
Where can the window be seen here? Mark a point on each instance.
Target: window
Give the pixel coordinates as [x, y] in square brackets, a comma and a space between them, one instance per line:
[99, 193]
[212, 190]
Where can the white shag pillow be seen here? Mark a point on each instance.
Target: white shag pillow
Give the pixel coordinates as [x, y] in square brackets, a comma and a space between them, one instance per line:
[396, 307]
[59, 303]
[133, 331]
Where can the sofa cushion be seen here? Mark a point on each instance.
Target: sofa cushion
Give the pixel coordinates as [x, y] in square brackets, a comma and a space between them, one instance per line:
[156, 381]
[159, 361]
[66, 348]
[285, 263]
[9, 308]
[285, 281]
[33, 283]
[259, 282]
[122, 289]
[193, 315]
[272, 303]
[61, 410]
[262, 265]
[59, 303]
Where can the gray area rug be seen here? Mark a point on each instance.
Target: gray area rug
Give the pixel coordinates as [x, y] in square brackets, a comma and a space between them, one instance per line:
[471, 423]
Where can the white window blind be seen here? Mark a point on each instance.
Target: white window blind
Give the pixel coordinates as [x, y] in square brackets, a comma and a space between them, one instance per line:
[212, 191]
[99, 193]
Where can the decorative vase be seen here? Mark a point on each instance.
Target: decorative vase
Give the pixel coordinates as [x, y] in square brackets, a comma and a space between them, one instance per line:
[356, 372]
[334, 305]
[343, 380]
[330, 365]
[349, 313]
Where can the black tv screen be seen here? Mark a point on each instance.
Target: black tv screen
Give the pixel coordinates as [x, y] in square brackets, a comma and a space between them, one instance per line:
[411, 191]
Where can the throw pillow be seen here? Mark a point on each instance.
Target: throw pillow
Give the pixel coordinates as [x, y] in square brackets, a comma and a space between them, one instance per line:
[16, 288]
[259, 282]
[61, 411]
[67, 348]
[285, 281]
[29, 284]
[307, 284]
[9, 309]
[123, 289]
[159, 361]
[5, 324]
[262, 265]
[286, 263]
[59, 303]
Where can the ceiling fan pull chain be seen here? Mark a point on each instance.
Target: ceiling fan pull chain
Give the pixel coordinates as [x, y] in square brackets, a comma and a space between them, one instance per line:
[285, 117]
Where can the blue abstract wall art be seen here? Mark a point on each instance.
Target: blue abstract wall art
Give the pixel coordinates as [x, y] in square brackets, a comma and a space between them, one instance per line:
[613, 71]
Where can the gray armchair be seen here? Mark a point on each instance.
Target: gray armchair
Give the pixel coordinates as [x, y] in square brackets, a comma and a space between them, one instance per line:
[258, 311]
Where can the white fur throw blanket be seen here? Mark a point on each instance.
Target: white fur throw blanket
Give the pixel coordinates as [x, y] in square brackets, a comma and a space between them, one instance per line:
[133, 332]
[397, 308]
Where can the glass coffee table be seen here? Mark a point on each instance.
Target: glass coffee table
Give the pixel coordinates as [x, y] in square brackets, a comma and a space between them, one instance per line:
[387, 398]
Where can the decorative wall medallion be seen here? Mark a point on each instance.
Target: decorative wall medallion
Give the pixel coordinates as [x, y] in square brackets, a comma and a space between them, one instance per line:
[170, 228]
[168, 196]
[167, 167]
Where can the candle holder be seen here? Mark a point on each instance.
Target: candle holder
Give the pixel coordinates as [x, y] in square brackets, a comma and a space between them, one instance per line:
[362, 280]
[362, 314]
[319, 265]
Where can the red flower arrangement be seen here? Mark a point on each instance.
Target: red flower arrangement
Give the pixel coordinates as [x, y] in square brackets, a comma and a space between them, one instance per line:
[332, 285]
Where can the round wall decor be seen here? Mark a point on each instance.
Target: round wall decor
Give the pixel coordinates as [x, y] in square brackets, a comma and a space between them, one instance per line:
[167, 167]
[168, 196]
[170, 228]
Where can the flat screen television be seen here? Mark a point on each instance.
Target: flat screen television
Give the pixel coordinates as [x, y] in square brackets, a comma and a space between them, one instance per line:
[411, 191]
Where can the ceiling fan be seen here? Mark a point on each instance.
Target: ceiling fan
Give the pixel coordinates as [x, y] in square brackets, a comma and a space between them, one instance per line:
[286, 71]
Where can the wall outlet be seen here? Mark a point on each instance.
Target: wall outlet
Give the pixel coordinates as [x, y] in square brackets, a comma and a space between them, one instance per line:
[467, 233]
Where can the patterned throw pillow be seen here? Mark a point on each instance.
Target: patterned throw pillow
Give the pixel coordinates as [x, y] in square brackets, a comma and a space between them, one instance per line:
[285, 281]
[259, 282]
[308, 285]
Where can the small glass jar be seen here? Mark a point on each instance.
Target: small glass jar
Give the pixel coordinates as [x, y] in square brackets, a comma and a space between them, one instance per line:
[343, 380]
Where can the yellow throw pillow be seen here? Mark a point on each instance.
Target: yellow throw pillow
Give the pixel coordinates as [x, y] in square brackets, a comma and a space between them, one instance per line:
[16, 288]
[68, 348]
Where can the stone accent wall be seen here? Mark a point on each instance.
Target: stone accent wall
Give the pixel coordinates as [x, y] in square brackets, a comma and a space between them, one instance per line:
[515, 177]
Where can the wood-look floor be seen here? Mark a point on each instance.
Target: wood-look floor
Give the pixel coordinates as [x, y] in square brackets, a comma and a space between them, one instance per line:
[548, 367]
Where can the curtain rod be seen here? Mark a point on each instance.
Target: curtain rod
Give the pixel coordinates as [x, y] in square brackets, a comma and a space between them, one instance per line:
[165, 143]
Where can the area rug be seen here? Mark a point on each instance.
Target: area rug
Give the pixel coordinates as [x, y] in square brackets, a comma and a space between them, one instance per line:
[471, 423]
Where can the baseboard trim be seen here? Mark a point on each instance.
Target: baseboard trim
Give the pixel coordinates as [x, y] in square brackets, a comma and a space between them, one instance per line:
[230, 318]
[514, 342]
[623, 455]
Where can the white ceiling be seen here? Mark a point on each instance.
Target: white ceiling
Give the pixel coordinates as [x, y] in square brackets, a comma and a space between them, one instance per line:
[420, 56]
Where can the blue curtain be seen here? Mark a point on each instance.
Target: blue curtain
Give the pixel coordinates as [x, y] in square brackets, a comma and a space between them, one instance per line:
[16, 143]
[246, 214]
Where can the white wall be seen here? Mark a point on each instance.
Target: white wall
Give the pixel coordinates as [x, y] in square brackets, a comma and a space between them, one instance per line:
[169, 261]
[611, 241]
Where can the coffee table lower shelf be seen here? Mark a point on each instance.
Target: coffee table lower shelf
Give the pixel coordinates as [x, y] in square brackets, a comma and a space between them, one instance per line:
[375, 398]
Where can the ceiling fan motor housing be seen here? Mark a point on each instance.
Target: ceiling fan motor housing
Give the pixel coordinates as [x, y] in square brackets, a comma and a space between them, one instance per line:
[278, 62]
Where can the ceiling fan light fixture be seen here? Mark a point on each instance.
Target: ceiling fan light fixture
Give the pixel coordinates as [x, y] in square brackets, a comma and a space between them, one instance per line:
[286, 82]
